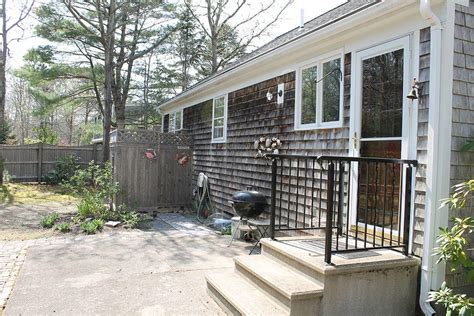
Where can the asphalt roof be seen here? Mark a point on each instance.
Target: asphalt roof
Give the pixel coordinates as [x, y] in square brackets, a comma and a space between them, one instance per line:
[344, 10]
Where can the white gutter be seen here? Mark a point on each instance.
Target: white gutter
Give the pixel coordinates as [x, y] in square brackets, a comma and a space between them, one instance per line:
[432, 176]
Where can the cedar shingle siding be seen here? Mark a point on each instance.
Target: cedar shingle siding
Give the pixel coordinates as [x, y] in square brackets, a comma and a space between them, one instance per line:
[422, 141]
[462, 163]
[231, 166]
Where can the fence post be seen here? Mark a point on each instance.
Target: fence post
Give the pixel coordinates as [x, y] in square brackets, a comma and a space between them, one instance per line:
[94, 153]
[329, 213]
[406, 221]
[273, 198]
[40, 162]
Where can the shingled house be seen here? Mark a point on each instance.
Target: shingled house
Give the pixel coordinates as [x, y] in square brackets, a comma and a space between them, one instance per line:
[374, 98]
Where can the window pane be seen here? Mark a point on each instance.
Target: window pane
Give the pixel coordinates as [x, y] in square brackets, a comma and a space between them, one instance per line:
[382, 95]
[218, 132]
[172, 122]
[219, 107]
[178, 120]
[379, 185]
[219, 122]
[308, 95]
[219, 111]
[331, 91]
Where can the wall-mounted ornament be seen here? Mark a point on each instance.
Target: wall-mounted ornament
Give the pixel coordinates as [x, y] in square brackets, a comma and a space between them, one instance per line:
[150, 154]
[269, 95]
[182, 159]
[266, 145]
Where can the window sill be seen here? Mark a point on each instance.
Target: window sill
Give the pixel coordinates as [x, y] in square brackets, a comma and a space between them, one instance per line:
[318, 127]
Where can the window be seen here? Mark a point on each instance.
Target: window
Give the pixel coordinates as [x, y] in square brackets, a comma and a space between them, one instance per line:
[175, 121]
[219, 119]
[319, 95]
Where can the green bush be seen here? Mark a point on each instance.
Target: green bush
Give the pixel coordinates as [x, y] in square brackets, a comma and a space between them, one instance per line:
[91, 227]
[91, 206]
[452, 250]
[64, 169]
[63, 227]
[49, 220]
[96, 180]
[129, 217]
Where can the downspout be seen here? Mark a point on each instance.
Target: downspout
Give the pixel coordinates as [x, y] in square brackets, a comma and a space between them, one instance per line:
[432, 161]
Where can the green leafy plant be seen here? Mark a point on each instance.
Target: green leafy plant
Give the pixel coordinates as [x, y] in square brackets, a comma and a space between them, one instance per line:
[91, 227]
[128, 216]
[49, 220]
[452, 249]
[63, 227]
[64, 169]
[45, 134]
[91, 206]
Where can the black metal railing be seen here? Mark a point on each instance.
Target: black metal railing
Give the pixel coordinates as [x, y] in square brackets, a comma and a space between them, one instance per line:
[355, 203]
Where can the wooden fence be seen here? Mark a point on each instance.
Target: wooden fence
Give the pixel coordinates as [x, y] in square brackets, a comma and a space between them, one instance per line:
[32, 163]
[160, 183]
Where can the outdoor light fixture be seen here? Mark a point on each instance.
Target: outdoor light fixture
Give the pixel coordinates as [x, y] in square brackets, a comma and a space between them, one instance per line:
[414, 91]
[269, 95]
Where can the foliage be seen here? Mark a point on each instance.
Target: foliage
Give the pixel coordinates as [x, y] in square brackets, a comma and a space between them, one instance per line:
[49, 220]
[5, 132]
[91, 206]
[95, 180]
[91, 227]
[64, 169]
[46, 135]
[452, 248]
[63, 227]
[129, 217]
[458, 303]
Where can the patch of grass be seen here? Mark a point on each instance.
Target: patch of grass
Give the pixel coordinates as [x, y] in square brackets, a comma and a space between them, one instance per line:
[5, 195]
[91, 227]
[33, 193]
[49, 220]
[63, 227]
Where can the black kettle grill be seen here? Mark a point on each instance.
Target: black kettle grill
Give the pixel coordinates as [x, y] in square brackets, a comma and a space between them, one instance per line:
[249, 204]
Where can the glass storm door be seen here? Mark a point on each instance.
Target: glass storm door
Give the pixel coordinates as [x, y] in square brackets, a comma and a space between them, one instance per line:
[380, 130]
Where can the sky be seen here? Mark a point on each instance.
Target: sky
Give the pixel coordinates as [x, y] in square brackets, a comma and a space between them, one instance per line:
[290, 19]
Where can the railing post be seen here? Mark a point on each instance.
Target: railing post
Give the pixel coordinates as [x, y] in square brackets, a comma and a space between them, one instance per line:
[340, 197]
[273, 198]
[406, 221]
[329, 213]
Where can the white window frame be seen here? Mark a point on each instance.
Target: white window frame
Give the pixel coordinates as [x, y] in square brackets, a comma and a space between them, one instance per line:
[319, 124]
[224, 133]
[173, 128]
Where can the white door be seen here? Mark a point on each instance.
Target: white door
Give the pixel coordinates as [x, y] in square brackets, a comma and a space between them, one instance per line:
[380, 128]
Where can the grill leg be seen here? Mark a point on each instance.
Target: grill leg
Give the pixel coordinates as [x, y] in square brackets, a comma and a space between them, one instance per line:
[236, 230]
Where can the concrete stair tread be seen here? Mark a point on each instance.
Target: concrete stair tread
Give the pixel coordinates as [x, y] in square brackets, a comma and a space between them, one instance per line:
[281, 278]
[242, 295]
[315, 261]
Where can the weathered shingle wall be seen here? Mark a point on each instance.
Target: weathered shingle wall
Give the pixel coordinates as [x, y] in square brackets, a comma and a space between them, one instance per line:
[422, 141]
[462, 163]
[232, 166]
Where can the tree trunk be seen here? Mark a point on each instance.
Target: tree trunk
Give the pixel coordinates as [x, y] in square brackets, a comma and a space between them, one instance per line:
[3, 62]
[109, 79]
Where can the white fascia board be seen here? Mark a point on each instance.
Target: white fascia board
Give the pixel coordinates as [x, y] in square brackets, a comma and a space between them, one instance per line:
[277, 62]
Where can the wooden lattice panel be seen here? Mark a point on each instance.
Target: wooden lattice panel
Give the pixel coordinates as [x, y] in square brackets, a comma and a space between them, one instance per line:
[138, 136]
[153, 137]
[175, 139]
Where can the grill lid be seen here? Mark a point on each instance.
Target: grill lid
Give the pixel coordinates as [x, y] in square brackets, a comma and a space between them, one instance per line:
[249, 197]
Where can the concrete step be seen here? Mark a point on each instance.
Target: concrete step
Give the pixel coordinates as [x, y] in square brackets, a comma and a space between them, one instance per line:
[298, 293]
[237, 296]
[308, 263]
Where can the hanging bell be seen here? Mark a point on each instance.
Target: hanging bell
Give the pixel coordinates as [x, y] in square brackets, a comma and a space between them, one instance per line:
[413, 94]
